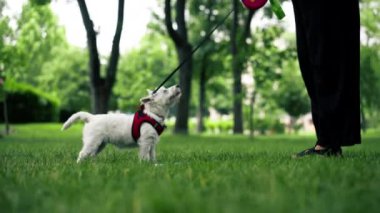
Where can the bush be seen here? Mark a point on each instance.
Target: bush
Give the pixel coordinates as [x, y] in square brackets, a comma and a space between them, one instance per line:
[268, 125]
[28, 104]
[220, 126]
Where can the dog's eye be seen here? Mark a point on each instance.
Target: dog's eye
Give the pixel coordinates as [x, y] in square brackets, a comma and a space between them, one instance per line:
[165, 91]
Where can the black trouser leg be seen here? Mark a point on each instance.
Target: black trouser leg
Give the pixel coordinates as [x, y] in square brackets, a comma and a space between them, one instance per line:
[328, 45]
[304, 58]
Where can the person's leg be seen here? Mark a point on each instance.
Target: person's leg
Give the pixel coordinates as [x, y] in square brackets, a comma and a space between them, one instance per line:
[303, 34]
[329, 34]
[338, 74]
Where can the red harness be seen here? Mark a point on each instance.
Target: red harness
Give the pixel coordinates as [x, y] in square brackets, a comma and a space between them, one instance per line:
[140, 118]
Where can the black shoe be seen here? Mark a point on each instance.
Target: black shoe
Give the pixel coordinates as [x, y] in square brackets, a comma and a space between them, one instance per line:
[329, 152]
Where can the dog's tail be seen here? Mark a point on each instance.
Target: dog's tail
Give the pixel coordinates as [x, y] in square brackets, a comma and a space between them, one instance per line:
[84, 116]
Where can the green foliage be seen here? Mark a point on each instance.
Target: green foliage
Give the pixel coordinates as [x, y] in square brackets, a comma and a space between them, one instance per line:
[217, 127]
[273, 69]
[291, 94]
[370, 83]
[28, 104]
[2, 5]
[212, 56]
[6, 49]
[66, 76]
[369, 19]
[370, 63]
[205, 16]
[370, 76]
[219, 93]
[144, 68]
[5, 34]
[196, 174]
[266, 118]
[267, 59]
[37, 34]
[35, 52]
[40, 2]
[12, 86]
[269, 125]
[262, 52]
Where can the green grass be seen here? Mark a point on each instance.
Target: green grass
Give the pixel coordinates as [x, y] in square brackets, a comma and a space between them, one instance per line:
[218, 174]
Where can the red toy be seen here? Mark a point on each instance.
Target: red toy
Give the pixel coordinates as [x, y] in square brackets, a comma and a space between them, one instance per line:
[254, 4]
[257, 4]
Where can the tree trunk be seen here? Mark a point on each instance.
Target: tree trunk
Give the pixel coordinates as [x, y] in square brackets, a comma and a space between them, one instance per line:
[293, 124]
[5, 111]
[99, 97]
[181, 125]
[101, 88]
[238, 61]
[251, 115]
[237, 87]
[202, 109]
[184, 49]
[114, 55]
[363, 120]
[202, 96]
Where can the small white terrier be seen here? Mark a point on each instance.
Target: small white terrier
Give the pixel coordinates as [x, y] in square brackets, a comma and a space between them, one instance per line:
[123, 130]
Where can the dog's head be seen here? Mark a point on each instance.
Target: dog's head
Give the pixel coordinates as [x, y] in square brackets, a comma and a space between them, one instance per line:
[160, 102]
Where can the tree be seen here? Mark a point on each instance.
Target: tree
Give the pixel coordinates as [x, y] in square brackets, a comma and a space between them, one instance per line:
[369, 62]
[154, 58]
[35, 36]
[203, 61]
[208, 60]
[183, 47]
[101, 87]
[237, 88]
[291, 95]
[2, 5]
[239, 60]
[5, 56]
[369, 20]
[64, 76]
[28, 44]
[369, 83]
[267, 63]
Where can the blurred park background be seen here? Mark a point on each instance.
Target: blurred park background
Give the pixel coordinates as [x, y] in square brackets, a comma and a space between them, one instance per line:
[62, 56]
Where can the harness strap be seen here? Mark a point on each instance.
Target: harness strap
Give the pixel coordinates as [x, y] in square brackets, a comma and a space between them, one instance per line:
[139, 118]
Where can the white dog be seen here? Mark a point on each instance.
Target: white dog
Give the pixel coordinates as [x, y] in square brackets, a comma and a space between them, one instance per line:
[142, 128]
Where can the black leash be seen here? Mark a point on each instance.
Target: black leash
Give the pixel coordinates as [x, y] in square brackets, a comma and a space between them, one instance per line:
[193, 51]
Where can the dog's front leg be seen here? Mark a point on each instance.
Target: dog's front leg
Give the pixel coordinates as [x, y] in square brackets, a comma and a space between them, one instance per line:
[144, 154]
[152, 153]
[147, 142]
[147, 147]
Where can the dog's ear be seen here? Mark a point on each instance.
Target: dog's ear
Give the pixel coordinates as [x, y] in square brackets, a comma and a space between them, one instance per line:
[145, 99]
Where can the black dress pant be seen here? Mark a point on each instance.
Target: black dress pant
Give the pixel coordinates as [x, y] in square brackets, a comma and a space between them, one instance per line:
[328, 45]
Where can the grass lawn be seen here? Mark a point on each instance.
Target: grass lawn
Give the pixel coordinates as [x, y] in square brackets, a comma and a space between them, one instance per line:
[38, 173]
